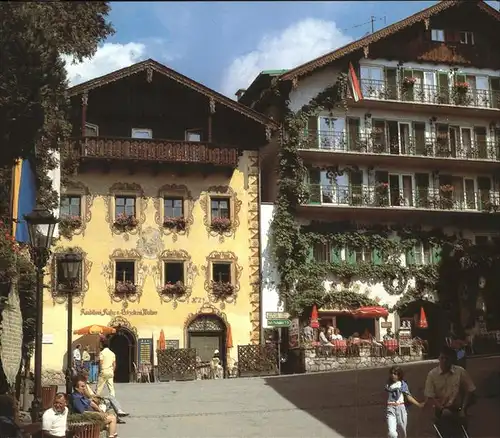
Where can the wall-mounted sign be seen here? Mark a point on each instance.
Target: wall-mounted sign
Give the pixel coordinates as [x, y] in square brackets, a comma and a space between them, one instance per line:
[122, 312]
[172, 343]
[293, 334]
[145, 350]
[386, 325]
[47, 338]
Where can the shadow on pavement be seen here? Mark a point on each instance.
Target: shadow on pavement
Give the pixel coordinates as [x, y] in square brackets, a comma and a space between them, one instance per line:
[352, 403]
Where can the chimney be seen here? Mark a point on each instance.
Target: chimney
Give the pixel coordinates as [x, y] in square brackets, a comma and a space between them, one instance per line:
[240, 93]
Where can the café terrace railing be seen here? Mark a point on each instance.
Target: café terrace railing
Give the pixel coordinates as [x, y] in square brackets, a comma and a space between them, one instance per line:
[339, 141]
[152, 150]
[418, 93]
[382, 196]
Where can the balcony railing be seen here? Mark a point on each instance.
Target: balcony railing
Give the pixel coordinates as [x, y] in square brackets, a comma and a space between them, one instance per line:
[452, 95]
[382, 196]
[411, 146]
[163, 151]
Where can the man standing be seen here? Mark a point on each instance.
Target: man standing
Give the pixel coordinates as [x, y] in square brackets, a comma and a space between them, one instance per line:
[77, 359]
[107, 365]
[54, 420]
[451, 389]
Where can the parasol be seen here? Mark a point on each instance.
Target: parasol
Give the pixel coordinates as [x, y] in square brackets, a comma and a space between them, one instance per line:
[95, 330]
[161, 341]
[371, 312]
[229, 337]
[423, 324]
[314, 317]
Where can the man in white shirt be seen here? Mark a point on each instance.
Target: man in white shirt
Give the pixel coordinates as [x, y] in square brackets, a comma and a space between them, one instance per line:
[77, 358]
[54, 420]
[107, 365]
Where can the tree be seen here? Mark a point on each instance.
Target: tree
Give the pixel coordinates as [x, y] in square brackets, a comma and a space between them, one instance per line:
[34, 112]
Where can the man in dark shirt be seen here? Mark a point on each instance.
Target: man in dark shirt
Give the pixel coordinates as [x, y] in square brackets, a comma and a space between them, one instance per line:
[82, 404]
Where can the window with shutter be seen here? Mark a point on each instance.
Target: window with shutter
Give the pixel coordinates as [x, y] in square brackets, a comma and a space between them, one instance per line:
[436, 254]
[336, 256]
[350, 255]
[376, 257]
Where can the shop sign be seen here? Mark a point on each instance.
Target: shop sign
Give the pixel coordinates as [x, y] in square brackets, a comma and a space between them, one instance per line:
[122, 312]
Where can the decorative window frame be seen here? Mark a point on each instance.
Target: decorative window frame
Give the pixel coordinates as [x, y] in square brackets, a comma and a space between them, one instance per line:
[236, 270]
[190, 272]
[140, 272]
[77, 188]
[234, 210]
[174, 190]
[61, 296]
[126, 189]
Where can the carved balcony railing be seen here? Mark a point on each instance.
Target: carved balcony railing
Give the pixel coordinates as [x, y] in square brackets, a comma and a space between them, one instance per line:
[380, 143]
[433, 94]
[162, 151]
[383, 196]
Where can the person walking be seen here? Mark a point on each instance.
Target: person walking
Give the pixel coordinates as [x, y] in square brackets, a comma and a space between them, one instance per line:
[107, 365]
[398, 397]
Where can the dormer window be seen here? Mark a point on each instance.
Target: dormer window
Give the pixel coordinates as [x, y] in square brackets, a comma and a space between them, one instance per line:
[437, 35]
[142, 133]
[467, 38]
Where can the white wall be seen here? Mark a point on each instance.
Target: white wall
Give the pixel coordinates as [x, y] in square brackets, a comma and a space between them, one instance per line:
[270, 299]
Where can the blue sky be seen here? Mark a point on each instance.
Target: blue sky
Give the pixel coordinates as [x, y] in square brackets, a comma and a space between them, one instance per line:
[224, 45]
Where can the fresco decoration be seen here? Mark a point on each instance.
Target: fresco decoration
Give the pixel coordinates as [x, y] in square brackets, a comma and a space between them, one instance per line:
[121, 322]
[253, 245]
[175, 293]
[229, 291]
[124, 189]
[150, 243]
[59, 292]
[234, 211]
[176, 226]
[134, 291]
[77, 188]
[206, 309]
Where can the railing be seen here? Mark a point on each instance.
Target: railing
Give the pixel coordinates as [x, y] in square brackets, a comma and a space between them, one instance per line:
[357, 348]
[382, 196]
[339, 141]
[452, 95]
[171, 151]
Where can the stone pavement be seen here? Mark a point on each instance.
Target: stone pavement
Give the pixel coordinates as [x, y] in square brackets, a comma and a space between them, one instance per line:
[339, 404]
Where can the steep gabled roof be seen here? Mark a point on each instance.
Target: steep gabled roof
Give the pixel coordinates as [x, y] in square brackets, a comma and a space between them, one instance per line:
[181, 79]
[388, 31]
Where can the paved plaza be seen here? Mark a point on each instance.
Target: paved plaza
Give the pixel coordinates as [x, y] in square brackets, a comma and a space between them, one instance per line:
[342, 404]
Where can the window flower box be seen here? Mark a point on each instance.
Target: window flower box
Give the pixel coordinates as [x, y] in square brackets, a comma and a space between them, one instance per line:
[175, 223]
[68, 224]
[124, 221]
[125, 288]
[222, 289]
[220, 224]
[174, 289]
[382, 194]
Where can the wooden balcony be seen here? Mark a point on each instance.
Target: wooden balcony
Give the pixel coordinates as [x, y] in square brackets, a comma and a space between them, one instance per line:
[377, 149]
[153, 151]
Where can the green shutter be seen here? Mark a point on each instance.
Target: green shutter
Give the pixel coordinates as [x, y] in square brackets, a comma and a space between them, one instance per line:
[376, 257]
[435, 254]
[335, 255]
[410, 257]
[310, 255]
[350, 256]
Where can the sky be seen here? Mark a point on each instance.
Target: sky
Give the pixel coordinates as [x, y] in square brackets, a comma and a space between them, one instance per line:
[225, 45]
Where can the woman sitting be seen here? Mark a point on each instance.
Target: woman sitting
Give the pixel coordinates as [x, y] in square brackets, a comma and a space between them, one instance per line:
[81, 403]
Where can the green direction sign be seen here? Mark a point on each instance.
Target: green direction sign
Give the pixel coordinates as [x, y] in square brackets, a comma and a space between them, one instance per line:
[279, 322]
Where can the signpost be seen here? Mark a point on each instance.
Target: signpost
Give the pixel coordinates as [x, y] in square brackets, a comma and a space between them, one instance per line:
[277, 315]
[279, 323]
[278, 320]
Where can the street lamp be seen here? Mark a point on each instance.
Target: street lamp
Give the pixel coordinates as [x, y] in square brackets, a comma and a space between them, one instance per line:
[71, 266]
[41, 224]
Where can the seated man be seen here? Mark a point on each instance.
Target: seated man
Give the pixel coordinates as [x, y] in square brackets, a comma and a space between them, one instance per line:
[82, 404]
[112, 401]
[54, 420]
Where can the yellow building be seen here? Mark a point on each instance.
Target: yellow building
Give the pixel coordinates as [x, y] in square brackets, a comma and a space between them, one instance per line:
[164, 207]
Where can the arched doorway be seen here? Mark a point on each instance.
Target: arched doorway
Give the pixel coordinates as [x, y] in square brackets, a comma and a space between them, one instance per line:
[124, 344]
[437, 323]
[207, 333]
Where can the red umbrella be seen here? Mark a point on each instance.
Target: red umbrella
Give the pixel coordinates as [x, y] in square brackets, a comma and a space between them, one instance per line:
[423, 319]
[161, 341]
[314, 317]
[371, 312]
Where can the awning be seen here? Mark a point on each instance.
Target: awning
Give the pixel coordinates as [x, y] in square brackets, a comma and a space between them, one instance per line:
[371, 312]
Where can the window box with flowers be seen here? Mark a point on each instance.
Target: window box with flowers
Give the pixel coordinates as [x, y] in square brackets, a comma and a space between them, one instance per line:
[175, 223]
[408, 83]
[460, 92]
[222, 289]
[68, 224]
[125, 288]
[220, 224]
[125, 222]
[174, 289]
[382, 194]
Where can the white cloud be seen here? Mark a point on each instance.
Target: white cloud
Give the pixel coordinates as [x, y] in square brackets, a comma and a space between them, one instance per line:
[297, 44]
[108, 58]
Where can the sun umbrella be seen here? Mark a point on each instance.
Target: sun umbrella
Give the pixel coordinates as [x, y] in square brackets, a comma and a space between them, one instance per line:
[95, 330]
[370, 312]
[161, 341]
[314, 317]
[423, 324]
[229, 337]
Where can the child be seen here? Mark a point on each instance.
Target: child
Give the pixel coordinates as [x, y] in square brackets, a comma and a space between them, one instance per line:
[398, 396]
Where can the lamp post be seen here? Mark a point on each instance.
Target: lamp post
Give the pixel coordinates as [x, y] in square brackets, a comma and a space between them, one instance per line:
[71, 265]
[41, 224]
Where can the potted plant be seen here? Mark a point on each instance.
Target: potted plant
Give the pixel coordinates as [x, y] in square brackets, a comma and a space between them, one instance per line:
[459, 92]
[125, 221]
[222, 289]
[446, 196]
[408, 82]
[125, 288]
[177, 223]
[68, 224]
[176, 288]
[382, 193]
[220, 224]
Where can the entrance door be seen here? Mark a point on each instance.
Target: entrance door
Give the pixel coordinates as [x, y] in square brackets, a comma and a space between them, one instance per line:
[205, 345]
[123, 344]
[206, 334]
